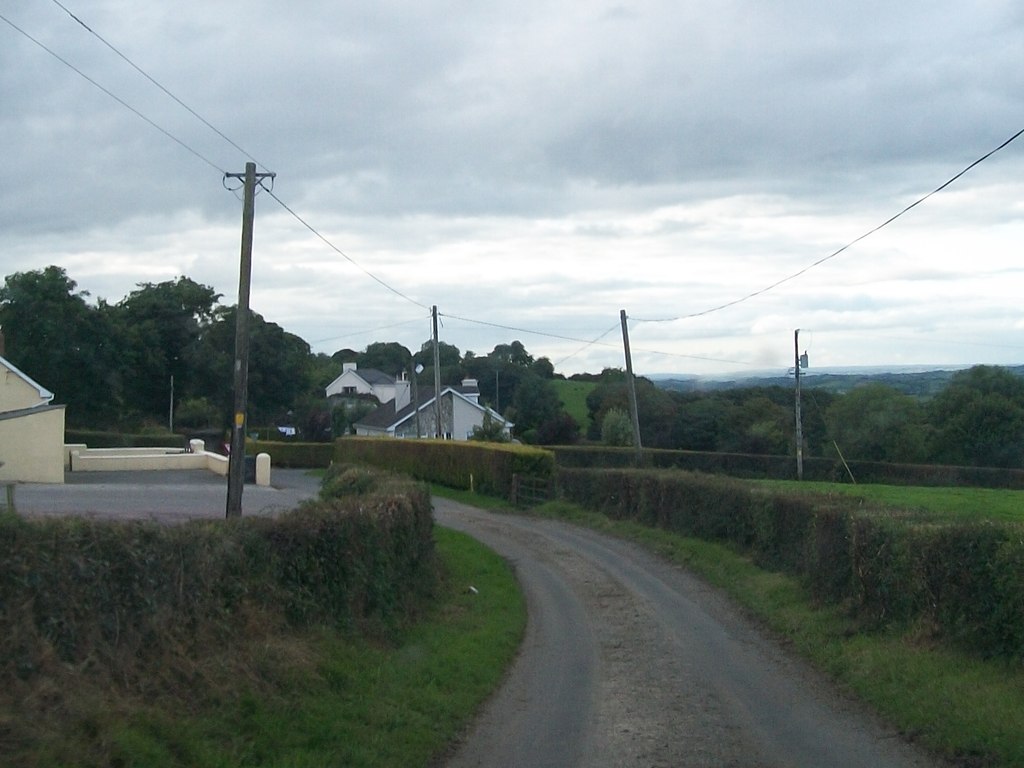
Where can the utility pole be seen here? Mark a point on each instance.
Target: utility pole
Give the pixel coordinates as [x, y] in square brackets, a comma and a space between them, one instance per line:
[631, 384]
[170, 410]
[417, 369]
[439, 432]
[236, 459]
[799, 362]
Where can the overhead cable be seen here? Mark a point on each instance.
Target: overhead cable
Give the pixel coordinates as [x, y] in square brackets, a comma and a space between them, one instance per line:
[151, 79]
[849, 245]
[344, 255]
[112, 95]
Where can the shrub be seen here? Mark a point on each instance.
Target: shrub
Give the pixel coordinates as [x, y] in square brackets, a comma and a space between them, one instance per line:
[961, 583]
[486, 467]
[293, 454]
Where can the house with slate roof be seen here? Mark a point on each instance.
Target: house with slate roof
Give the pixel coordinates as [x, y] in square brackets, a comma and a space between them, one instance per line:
[367, 381]
[398, 416]
[461, 412]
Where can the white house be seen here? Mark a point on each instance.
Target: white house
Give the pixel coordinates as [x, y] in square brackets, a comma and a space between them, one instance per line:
[461, 412]
[31, 430]
[368, 381]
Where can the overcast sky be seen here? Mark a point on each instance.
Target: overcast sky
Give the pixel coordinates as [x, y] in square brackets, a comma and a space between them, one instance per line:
[534, 167]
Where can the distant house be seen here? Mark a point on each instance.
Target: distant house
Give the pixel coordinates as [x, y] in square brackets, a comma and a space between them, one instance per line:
[368, 381]
[461, 412]
[31, 430]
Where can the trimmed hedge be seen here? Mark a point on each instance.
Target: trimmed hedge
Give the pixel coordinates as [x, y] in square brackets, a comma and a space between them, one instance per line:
[486, 467]
[139, 598]
[293, 454]
[784, 467]
[99, 439]
[961, 583]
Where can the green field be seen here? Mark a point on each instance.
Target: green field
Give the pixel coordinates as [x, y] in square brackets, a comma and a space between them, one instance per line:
[573, 395]
[944, 503]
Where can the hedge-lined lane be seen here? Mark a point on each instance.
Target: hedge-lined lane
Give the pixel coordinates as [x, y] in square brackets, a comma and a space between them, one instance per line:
[662, 670]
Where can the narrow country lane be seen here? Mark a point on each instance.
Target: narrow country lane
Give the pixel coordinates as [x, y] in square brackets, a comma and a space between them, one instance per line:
[629, 661]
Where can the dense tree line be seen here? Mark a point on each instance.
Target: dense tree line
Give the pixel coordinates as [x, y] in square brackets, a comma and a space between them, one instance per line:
[976, 420]
[113, 366]
[170, 345]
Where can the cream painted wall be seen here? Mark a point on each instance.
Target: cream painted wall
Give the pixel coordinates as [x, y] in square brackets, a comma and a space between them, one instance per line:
[16, 393]
[32, 446]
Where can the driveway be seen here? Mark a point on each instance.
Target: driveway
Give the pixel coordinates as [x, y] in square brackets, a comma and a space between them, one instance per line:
[630, 661]
[167, 495]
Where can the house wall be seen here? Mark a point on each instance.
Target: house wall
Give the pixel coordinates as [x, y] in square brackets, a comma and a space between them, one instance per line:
[465, 418]
[32, 446]
[348, 379]
[16, 393]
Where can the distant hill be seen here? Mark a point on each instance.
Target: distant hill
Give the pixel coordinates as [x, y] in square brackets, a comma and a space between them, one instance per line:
[920, 383]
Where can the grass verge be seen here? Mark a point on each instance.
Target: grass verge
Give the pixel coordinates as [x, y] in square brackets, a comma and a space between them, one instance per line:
[966, 709]
[317, 698]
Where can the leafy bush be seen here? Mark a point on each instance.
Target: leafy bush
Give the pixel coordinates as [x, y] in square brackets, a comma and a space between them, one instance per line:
[961, 583]
[784, 467]
[486, 467]
[293, 454]
[133, 600]
[98, 439]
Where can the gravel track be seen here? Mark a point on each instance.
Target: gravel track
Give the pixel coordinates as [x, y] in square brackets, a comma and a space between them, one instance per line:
[630, 661]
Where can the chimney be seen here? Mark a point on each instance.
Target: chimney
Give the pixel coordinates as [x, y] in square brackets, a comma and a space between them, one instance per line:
[348, 367]
[474, 394]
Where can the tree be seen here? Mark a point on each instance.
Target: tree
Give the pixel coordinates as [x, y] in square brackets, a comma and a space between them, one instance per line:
[878, 423]
[512, 354]
[535, 403]
[561, 429]
[700, 421]
[616, 428]
[491, 431]
[760, 426]
[449, 357]
[278, 368]
[158, 326]
[390, 357]
[62, 342]
[979, 419]
[656, 408]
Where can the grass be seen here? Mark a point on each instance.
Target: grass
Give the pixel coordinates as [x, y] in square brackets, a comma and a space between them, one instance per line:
[943, 503]
[320, 697]
[573, 395]
[967, 709]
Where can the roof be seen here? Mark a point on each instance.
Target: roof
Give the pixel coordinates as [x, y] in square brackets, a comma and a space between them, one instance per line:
[385, 416]
[373, 376]
[44, 394]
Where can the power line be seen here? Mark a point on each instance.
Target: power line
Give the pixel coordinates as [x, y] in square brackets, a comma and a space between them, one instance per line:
[367, 330]
[589, 343]
[151, 79]
[209, 162]
[399, 293]
[112, 95]
[524, 330]
[849, 245]
[344, 255]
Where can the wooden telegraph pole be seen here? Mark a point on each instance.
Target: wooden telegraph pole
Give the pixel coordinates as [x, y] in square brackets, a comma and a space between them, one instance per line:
[236, 459]
[439, 432]
[631, 385]
[798, 361]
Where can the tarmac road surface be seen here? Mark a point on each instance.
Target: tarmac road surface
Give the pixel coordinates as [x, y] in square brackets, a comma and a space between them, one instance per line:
[629, 661]
[165, 495]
